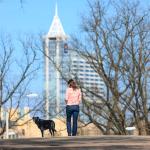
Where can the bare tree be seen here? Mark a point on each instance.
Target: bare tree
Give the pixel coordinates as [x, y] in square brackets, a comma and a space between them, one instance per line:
[17, 69]
[117, 47]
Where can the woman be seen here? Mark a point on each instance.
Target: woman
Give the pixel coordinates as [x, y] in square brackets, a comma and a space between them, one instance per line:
[73, 98]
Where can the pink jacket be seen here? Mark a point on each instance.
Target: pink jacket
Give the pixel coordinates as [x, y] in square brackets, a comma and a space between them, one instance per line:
[73, 97]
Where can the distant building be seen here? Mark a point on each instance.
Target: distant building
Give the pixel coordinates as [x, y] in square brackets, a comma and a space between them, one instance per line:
[26, 127]
[59, 58]
[55, 57]
[87, 76]
[19, 121]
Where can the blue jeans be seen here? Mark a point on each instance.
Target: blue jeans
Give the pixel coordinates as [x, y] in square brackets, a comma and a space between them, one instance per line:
[72, 110]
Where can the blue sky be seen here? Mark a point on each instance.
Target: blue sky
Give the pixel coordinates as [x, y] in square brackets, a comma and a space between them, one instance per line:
[37, 15]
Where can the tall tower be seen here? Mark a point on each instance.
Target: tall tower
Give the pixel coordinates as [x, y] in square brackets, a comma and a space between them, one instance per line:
[54, 45]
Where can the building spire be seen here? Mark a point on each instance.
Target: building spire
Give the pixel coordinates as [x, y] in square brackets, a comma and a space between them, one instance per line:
[56, 10]
[56, 29]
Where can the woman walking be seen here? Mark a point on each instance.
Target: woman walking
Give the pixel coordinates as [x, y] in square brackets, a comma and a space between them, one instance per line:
[73, 99]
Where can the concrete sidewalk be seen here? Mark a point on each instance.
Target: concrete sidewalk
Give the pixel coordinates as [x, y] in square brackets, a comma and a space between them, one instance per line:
[79, 143]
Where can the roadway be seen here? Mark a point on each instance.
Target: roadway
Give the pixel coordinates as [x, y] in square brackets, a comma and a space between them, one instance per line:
[79, 143]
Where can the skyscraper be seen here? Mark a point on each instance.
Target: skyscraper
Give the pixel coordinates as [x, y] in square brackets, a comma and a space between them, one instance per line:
[55, 58]
[87, 76]
[61, 63]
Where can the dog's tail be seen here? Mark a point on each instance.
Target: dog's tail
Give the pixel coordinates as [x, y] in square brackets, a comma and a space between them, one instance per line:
[53, 126]
[54, 129]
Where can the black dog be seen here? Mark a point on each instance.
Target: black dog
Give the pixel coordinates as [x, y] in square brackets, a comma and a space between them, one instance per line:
[45, 124]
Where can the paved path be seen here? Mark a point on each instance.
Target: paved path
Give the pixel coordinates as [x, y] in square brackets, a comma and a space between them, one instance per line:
[79, 143]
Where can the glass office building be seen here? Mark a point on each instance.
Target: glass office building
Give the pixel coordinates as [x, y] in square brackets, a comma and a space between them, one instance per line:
[55, 62]
[70, 64]
[88, 78]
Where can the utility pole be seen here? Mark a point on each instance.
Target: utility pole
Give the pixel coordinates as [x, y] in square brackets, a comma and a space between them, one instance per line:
[1, 96]
[7, 125]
